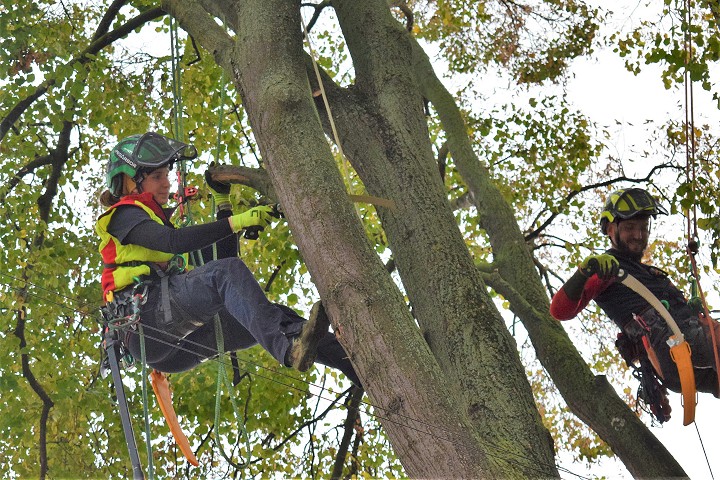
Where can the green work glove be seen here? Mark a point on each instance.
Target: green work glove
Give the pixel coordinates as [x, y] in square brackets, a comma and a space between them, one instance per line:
[255, 217]
[604, 265]
[220, 191]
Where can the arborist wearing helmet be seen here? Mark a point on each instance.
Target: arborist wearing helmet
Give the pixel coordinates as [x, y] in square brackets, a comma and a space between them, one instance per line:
[626, 220]
[139, 243]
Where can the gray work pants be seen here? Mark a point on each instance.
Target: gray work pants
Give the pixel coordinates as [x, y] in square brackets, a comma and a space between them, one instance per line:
[184, 338]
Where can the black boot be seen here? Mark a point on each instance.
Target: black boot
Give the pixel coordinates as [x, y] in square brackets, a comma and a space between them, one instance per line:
[332, 354]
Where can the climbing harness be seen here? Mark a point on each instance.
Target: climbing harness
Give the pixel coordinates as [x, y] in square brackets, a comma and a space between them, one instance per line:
[679, 347]
[121, 313]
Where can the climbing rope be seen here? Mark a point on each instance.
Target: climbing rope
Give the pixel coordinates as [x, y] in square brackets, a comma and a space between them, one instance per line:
[692, 228]
[184, 193]
[702, 445]
[363, 198]
[175, 55]
[223, 379]
[336, 137]
[146, 409]
[698, 296]
[221, 114]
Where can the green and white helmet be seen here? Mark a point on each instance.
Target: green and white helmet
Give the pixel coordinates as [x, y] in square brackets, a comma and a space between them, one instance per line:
[627, 203]
[139, 154]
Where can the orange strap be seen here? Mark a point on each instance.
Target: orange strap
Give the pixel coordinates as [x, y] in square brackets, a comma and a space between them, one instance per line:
[679, 348]
[680, 354]
[162, 393]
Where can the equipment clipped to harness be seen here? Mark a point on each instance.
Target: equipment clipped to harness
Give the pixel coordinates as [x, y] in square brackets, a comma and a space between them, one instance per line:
[679, 348]
[638, 356]
[652, 392]
[699, 305]
[120, 314]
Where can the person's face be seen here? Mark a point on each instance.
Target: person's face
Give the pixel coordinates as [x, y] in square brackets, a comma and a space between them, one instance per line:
[157, 182]
[630, 236]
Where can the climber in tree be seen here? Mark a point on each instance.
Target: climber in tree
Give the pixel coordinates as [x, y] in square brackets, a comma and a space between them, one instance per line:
[139, 243]
[626, 220]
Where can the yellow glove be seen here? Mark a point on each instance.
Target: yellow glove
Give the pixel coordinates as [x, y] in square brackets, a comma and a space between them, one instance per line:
[255, 217]
[604, 265]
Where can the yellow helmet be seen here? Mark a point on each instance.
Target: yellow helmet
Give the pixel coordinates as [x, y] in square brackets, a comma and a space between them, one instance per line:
[627, 203]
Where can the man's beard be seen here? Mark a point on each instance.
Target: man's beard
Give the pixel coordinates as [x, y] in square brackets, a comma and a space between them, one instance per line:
[625, 248]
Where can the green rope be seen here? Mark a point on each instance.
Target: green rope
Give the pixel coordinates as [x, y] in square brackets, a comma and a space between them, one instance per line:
[175, 56]
[221, 114]
[224, 379]
[146, 411]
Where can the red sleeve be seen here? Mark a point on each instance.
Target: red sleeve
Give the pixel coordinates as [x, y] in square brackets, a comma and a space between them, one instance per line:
[563, 308]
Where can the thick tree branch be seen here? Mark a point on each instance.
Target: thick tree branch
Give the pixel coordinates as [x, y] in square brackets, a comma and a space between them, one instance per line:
[106, 22]
[194, 18]
[60, 155]
[256, 178]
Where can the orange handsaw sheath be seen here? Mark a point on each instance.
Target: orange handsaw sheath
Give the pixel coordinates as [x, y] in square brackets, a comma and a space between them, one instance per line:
[162, 393]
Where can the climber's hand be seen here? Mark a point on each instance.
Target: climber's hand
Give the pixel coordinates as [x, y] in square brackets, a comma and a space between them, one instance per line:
[604, 265]
[254, 217]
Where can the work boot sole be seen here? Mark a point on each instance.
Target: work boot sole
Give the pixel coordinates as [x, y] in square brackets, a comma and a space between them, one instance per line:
[304, 347]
